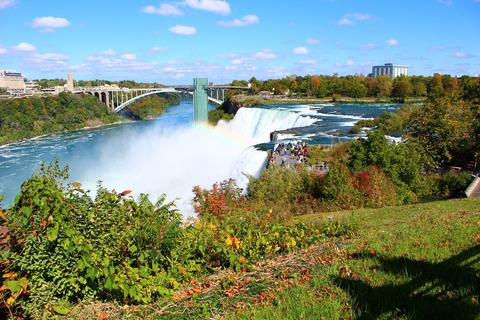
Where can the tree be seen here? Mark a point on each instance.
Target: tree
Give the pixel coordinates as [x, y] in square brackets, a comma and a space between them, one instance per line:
[435, 87]
[380, 86]
[446, 130]
[402, 89]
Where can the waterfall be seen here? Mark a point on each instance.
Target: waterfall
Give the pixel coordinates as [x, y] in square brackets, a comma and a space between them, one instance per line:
[256, 124]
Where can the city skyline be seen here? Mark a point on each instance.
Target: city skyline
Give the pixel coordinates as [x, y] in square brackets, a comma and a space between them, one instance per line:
[172, 42]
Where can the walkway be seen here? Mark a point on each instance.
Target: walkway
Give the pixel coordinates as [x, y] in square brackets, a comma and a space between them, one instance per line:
[476, 190]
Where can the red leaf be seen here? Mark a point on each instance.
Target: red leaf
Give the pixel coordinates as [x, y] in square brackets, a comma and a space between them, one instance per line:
[124, 193]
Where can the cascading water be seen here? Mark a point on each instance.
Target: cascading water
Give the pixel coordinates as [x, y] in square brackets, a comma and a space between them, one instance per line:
[256, 124]
[170, 155]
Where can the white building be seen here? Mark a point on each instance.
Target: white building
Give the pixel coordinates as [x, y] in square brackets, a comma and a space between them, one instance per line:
[389, 69]
[12, 80]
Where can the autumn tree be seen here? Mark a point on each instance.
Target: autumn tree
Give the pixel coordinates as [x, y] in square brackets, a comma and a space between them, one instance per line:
[402, 88]
[380, 86]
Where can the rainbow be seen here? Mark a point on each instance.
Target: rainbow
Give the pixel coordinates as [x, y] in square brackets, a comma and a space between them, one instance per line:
[226, 134]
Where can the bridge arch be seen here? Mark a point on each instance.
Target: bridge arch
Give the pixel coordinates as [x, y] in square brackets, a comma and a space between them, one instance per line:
[123, 105]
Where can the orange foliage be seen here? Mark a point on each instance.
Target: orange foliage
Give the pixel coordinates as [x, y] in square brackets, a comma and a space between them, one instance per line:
[317, 82]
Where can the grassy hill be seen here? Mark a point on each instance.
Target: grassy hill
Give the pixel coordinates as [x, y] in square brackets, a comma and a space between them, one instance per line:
[417, 261]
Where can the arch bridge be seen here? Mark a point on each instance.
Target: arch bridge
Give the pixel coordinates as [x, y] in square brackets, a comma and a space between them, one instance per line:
[118, 98]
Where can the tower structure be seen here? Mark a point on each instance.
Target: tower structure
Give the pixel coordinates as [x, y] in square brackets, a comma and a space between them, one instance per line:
[200, 100]
[69, 82]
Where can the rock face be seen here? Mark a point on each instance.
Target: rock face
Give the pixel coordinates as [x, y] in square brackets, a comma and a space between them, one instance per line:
[231, 105]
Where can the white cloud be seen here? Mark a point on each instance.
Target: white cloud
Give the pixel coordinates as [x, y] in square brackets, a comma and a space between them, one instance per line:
[237, 61]
[109, 52]
[6, 3]
[348, 63]
[164, 10]
[369, 46]
[448, 2]
[308, 61]
[313, 41]
[24, 47]
[216, 6]
[129, 56]
[49, 24]
[227, 56]
[265, 54]
[360, 16]
[98, 56]
[349, 18]
[245, 21]
[183, 30]
[156, 50]
[3, 51]
[461, 55]
[301, 50]
[369, 64]
[392, 42]
[346, 22]
[49, 57]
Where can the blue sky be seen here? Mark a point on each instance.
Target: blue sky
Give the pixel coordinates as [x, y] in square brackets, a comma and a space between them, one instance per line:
[172, 42]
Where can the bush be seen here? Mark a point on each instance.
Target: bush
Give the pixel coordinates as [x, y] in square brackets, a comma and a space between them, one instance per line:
[65, 247]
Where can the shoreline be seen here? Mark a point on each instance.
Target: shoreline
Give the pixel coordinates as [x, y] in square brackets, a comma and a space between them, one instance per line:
[84, 128]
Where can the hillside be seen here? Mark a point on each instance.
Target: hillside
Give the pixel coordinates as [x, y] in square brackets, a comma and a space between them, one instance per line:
[409, 262]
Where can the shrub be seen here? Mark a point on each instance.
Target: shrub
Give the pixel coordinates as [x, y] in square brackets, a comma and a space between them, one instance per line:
[67, 247]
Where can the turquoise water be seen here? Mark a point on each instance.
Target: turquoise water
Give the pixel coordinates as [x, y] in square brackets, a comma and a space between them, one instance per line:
[170, 155]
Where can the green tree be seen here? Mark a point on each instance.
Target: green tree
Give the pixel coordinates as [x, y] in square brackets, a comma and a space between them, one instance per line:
[380, 86]
[401, 88]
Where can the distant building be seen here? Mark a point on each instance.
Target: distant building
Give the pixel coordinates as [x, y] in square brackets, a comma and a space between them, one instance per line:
[12, 80]
[389, 69]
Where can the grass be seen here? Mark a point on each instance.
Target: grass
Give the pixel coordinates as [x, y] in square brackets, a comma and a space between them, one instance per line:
[410, 262]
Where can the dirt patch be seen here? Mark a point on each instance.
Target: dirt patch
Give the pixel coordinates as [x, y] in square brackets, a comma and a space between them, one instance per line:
[94, 123]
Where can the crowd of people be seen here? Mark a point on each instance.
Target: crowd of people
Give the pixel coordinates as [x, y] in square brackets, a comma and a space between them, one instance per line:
[296, 149]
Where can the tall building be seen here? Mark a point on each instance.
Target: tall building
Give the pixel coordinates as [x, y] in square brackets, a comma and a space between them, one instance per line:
[13, 81]
[389, 69]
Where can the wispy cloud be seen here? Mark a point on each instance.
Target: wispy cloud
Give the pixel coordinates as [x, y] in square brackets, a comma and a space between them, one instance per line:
[313, 41]
[228, 56]
[156, 50]
[183, 30]
[164, 10]
[216, 6]
[369, 46]
[442, 48]
[350, 18]
[6, 3]
[308, 62]
[243, 22]
[348, 63]
[99, 56]
[345, 22]
[447, 2]
[461, 55]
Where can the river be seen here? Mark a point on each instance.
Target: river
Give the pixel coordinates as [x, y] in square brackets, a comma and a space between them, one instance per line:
[171, 155]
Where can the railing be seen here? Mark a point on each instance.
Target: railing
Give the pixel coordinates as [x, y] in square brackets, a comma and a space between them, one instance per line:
[472, 186]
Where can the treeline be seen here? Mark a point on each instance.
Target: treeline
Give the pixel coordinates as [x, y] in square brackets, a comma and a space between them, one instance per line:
[29, 117]
[33, 116]
[360, 86]
[130, 84]
[446, 126]
[150, 107]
